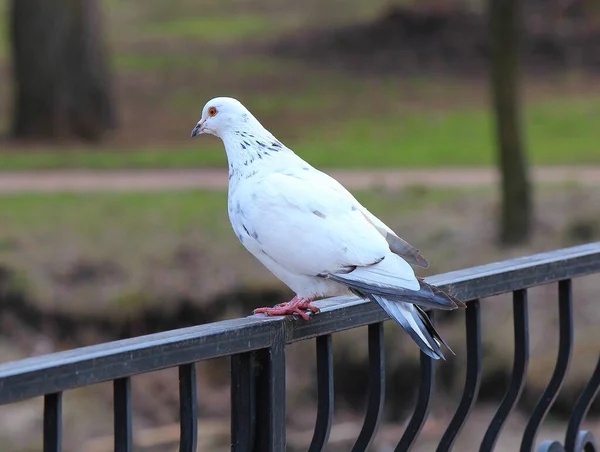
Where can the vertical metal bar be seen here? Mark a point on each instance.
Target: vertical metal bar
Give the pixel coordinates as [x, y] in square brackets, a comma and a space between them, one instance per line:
[472, 380]
[188, 411]
[519, 372]
[270, 396]
[580, 411]
[376, 388]
[565, 347]
[122, 415]
[421, 412]
[53, 422]
[243, 406]
[324, 394]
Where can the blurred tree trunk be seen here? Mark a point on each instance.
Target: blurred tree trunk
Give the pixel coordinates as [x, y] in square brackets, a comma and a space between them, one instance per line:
[60, 70]
[505, 37]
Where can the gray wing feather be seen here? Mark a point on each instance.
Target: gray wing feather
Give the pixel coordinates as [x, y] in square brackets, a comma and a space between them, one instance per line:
[406, 251]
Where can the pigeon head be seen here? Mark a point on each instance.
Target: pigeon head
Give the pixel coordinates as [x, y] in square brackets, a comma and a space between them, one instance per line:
[224, 115]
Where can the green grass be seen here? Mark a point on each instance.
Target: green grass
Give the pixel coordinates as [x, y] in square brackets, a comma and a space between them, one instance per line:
[108, 223]
[175, 210]
[134, 244]
[52, 212]
[558, 132]
[4, 29]
[156, 61]
[110, 159]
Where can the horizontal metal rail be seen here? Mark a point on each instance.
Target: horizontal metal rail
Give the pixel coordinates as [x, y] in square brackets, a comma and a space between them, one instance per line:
[57, 372]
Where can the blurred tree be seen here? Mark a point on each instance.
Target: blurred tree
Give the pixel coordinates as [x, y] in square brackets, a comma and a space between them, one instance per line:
[60, 70]
[505, 37]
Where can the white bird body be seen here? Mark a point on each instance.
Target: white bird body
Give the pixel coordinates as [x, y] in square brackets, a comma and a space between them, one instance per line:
[310, 232]
[315, 221]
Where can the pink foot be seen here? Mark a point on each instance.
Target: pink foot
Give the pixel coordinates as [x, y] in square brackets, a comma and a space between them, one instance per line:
[294, 306]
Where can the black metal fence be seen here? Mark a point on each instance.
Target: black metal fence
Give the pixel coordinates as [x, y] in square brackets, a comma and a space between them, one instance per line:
[257, 349]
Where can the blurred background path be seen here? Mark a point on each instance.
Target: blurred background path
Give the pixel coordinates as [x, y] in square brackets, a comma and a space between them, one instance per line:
[215, 179]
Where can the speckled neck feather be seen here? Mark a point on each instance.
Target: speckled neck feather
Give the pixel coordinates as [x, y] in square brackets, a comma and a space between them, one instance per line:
[246, 146]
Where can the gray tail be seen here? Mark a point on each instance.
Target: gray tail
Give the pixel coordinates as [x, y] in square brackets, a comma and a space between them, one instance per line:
[428, 296]
[439, 294]
[416, 323]
[405, 306]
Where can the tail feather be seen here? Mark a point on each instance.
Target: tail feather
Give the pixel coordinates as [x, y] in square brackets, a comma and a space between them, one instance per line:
[432, 330]
[405, 306]
[427, 296]
[416, 323]
[440, 293]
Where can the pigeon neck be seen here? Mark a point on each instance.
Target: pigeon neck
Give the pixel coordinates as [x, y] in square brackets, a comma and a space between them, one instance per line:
[246, 148]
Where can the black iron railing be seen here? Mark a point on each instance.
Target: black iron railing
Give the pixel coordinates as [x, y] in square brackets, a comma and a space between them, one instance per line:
[257, 349]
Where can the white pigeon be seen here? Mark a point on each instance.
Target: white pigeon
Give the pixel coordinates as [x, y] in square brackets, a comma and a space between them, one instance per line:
[308, 230]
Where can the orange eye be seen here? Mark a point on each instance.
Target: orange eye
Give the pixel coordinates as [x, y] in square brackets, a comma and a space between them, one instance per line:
[212, 111]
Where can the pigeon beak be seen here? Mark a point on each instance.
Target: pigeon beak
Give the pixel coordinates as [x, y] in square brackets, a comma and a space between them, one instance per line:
[198, 129]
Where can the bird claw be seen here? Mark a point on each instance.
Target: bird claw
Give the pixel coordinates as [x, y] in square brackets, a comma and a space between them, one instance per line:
[294, 306]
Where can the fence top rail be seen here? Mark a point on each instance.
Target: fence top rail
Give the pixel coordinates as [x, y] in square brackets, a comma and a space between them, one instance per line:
[60, 371]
